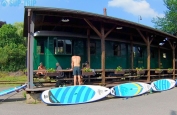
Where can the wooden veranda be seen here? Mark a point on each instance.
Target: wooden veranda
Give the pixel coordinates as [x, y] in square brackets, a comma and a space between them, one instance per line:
[94, 26]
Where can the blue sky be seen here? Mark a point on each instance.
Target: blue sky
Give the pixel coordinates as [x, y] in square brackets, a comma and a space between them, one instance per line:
[124, 9]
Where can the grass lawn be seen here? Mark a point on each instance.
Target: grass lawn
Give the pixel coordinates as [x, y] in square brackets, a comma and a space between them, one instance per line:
[14, 78]
[4, 77]
[9, 85]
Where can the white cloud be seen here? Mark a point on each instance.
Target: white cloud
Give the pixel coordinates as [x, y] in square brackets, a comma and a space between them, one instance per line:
[135, 7]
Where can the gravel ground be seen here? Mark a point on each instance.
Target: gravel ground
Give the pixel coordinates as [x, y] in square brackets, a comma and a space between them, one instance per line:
[163, 103]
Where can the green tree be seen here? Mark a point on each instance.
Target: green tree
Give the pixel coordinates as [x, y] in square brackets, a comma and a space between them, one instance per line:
[12, 48]
[19, 26]
[168, 23]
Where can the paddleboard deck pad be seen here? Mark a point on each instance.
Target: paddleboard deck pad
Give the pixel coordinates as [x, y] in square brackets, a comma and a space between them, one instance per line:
[74, 94]
[11, 90]
[130, 89]
[163, 84]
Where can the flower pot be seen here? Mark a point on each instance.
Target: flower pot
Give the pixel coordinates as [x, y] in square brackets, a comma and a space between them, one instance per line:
[139, 72]
[119, 72]
[157, 71]
[170, 71]
[87, 73]
[52, 74]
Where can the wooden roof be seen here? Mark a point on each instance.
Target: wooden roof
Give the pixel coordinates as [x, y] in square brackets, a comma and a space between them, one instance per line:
[49, 19]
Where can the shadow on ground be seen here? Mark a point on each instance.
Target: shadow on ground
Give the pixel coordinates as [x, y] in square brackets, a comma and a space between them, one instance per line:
[173, 112]
[11, 100]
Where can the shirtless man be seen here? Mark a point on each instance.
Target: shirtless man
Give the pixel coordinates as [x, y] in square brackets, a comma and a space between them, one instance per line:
[75, 65]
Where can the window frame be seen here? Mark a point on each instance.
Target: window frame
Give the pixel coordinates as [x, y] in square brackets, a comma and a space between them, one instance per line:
[119, 50]
[140, 52]
[94, 48]
[164, 56]
[64, 46]
[37, 50]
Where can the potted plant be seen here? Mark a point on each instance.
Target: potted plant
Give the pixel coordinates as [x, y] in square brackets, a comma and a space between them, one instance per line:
[170, 70]
[51, 72]
[119, 70]
[140, 71]
[87, 71]
[158, 70]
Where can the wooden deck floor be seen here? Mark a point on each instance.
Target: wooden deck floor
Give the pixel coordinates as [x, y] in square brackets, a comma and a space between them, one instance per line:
[109, 84]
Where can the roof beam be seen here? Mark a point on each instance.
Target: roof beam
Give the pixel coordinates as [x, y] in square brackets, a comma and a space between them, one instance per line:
[171, 45]
[109, 31]
[42, 20]
[74, 25]
[114, 21]
[93, 27]
[142, 35]
[60, 24]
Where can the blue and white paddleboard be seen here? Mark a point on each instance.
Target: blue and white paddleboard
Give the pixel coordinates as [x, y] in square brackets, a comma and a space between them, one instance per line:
[130, 89]
[163, 84]
[11, 90]
[74, 94]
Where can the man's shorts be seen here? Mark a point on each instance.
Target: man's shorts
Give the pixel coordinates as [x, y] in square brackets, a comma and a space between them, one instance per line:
[76, 71]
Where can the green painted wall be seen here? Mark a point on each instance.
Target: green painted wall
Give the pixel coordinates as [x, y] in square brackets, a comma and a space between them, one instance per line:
[79, 46]
[111, 60]
[37, 58]
[49, 59]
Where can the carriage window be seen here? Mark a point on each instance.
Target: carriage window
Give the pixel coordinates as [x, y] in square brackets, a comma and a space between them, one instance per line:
[164, 55]
[62, 46]
[140, 52]
[68, 46]
[92, 48]
[40, 47]
[134, 51]
[152, 54]
[117, 49]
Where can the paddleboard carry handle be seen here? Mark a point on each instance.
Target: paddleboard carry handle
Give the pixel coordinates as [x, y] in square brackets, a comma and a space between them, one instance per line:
[112, 91]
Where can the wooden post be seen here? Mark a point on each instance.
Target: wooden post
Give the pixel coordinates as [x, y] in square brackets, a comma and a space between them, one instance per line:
[132, 57]
[159, 61]
[148, 43]
[103, 54]
[102, 35]
[174, 62]
[148, 59]
[88, 46]
[173, 47]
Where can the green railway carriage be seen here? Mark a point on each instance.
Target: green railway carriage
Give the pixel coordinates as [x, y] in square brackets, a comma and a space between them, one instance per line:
[51, 47]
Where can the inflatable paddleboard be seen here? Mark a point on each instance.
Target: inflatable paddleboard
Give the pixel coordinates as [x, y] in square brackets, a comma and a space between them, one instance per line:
[11, 90]
[130, 89]
[74, 94]
[163, 84]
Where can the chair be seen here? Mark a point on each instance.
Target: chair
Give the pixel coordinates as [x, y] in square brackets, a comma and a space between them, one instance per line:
[59, 75]
[38, 82]
[87, 76]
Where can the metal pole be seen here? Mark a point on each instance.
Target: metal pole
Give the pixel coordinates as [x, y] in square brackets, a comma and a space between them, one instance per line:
[28, 49]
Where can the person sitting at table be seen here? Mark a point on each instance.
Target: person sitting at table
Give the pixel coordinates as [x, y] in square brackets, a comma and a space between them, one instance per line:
[60, 75]
[86, 65]
[41, 67]
[58, 67]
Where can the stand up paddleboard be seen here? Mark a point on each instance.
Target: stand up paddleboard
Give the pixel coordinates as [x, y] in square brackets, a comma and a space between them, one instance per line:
[74, 94]
[163, 84]
[11, 90]
[130, 89]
